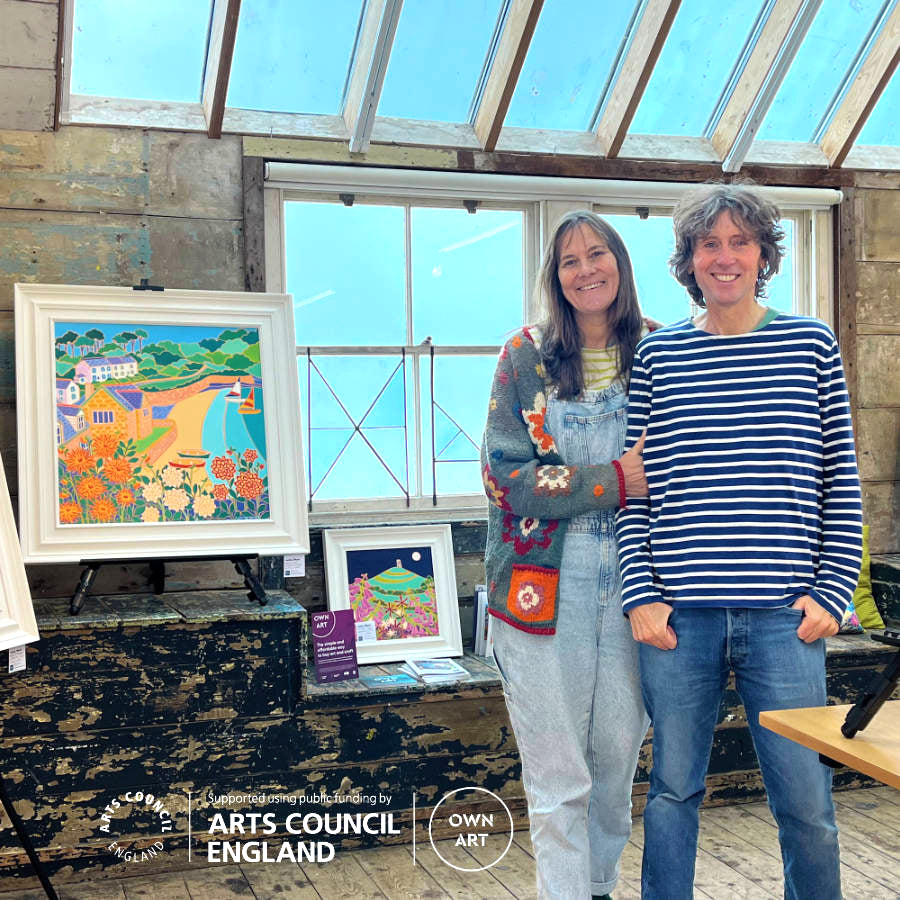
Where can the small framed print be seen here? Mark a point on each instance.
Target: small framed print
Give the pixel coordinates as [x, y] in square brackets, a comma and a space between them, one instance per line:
[400, 583]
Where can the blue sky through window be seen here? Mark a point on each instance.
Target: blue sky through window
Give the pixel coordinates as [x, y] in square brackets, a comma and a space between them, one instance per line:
[293, 55]
[567, 64]
[132, 49]
[437, 56]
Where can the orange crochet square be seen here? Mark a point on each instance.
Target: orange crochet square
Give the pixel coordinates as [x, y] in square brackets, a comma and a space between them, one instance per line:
[532, 593]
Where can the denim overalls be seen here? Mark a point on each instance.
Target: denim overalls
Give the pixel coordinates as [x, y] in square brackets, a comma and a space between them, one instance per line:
[574, 697]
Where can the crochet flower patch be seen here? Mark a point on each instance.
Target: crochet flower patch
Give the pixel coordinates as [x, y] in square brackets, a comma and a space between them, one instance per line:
[495, 493]
[534, 419]
[532, 593]
[553, 481]
[527, 532]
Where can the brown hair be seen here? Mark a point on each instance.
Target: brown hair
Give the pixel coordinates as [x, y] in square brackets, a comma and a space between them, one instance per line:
[561, 339]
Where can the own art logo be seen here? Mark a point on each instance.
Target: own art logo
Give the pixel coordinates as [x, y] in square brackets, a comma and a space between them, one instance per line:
[140, 816]
[469, 819]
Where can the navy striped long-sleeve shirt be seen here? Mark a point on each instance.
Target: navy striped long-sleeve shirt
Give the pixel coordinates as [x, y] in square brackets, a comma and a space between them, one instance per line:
[754, 492]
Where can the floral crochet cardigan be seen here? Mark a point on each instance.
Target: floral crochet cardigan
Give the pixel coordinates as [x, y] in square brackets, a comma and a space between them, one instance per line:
[531, 492]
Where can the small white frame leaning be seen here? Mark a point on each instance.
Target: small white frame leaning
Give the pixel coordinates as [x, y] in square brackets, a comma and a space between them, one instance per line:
[17, 623]
[448, 642]
[38, 308]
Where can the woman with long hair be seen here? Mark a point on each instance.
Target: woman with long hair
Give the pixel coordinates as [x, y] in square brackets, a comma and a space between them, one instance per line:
[555, 472]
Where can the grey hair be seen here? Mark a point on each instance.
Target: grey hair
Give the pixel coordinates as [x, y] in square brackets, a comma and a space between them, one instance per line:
[696, 215]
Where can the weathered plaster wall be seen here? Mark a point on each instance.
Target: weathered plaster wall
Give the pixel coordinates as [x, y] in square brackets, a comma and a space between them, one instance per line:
[28, 63]
[877, 212]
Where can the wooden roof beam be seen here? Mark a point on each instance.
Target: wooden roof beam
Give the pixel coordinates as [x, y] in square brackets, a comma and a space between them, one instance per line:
[769, 61]
[518, 29]
[219, 53]
[649, 36]
[368, 68]
[871, 80]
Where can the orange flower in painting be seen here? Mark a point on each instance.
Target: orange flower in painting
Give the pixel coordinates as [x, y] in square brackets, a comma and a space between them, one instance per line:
[223, 467]
[125, 497]
[90, 488]
[103, 510]
[118, 470]
[249, 456]
[79, 460]
[69, 513]
[105, 443]
[220, 491]
[249, 485]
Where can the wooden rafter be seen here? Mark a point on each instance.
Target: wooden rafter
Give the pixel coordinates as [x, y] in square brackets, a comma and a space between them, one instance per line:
[521, 20]
[218, 63]
[758, 84]
[867, 87]
[649, 36]
[370, 61]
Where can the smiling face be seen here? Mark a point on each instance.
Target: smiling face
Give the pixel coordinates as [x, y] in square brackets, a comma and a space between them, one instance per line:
[588, 273]
[726, 263]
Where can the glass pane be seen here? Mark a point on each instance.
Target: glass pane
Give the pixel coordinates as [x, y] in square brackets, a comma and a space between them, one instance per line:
[462, 387]
[781, 287]
[690, 75]
[816, 72]
[567, 65]
[346, 267]
[650, 243]
[467, 275]
[371, 390]
[883, 125]
[292, 56]
[437, 57]
[146, 51]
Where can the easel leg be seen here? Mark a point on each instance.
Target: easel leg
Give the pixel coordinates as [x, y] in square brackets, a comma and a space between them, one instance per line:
[84, 586]
[257, 591]
[25, 840]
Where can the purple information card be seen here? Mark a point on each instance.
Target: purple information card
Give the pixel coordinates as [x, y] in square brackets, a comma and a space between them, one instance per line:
[334, 645]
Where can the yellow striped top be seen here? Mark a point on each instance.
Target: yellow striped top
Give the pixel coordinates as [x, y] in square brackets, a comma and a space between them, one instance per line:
[598, 367]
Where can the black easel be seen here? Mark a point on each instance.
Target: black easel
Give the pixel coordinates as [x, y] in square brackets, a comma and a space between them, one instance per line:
[25, 841]
[241, 562]
[870, 701]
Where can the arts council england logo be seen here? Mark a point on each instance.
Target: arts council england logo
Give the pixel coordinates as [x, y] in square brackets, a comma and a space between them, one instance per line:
[135, 812]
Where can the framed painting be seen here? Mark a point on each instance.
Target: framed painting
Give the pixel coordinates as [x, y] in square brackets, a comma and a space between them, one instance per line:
[400, 583]
[17, 621]
[157, 424]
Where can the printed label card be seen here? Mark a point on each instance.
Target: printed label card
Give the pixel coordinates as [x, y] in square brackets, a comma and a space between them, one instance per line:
[334, 645]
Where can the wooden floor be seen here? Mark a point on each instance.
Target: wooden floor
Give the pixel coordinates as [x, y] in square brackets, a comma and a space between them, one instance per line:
[738, 857]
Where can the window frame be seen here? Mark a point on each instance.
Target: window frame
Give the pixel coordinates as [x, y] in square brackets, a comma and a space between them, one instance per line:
[542, 200]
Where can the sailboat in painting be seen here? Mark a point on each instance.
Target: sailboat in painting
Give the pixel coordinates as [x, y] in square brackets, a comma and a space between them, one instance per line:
[248, 407]
[235, 392]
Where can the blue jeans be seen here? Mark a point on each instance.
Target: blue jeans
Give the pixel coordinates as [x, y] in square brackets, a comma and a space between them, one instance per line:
[682, 690]
[574, 697]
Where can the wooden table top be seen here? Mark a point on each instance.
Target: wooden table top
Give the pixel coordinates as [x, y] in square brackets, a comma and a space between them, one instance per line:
[874, 751]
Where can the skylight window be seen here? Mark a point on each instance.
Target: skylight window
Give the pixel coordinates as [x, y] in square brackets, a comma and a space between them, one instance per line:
[438, 53]
[567, 65]
[694, 66]
[883, 125]
[293, 55]
[816, 74]
[132, 49]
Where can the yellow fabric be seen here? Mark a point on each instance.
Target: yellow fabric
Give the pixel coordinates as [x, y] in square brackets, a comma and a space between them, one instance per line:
[598, 367]
[869, 617]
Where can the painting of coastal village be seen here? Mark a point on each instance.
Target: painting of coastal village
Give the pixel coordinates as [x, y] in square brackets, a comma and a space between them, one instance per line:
[159, 423]
[394, 588]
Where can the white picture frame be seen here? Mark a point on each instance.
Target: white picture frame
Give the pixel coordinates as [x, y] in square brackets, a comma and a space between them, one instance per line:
[17, 622]
[231, 499]
[406, 557]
